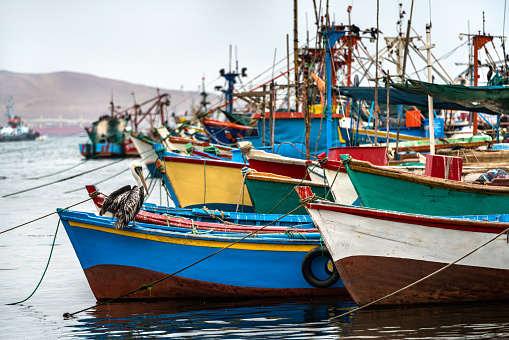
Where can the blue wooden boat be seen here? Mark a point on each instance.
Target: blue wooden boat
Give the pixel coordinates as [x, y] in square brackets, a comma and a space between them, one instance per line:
[213, 219]
[117, 262]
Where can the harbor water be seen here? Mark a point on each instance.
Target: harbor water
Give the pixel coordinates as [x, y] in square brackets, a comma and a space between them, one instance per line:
[25, 251]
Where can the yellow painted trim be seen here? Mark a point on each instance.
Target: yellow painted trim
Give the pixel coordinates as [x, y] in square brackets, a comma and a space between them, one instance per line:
[199, 243]
[223, 183]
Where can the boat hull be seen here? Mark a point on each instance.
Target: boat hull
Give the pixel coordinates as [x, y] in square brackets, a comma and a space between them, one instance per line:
[117, 262]
[390, 189]
[195, 182]
[31, 135]
[379, 252]
[273, 194]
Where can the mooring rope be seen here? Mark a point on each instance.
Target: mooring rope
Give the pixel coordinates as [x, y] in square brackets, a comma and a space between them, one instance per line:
[422, 279]
[150, 285]
[288, 195]
[45, 269]
[63, 179]
[76, 165]
[110, 177]
[92, 196]
[337, 172]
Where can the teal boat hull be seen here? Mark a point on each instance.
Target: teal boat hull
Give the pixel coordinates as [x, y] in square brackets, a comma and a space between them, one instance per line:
[394, 190]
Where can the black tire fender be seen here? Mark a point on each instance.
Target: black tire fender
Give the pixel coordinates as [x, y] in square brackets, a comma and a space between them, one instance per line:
[307, 272]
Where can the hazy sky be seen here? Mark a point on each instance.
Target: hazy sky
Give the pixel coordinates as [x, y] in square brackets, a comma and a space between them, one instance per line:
[173, 44]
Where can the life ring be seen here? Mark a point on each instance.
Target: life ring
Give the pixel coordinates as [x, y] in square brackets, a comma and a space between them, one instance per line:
[330, 268]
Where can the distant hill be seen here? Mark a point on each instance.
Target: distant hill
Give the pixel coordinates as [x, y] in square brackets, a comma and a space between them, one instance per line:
[72, 95]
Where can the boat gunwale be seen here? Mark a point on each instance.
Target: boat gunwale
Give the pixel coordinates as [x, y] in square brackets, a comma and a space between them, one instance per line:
[447, 184]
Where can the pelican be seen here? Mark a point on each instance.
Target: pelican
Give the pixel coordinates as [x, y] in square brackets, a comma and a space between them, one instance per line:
[126, 202]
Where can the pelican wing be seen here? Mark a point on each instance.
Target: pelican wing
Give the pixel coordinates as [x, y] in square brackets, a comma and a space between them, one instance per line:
[111, 201]
[130, 206]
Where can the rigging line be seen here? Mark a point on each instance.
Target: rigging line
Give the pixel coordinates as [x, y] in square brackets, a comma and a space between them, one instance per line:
[149, 286]
[40, 218]
[194, 94]
[63, 179]
[112, 176]
[503, 37]
[72, 167]
[45, 269]
[424, 278]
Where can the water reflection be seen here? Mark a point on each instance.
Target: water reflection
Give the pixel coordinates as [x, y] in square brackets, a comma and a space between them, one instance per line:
[212, 318]
[302, 319]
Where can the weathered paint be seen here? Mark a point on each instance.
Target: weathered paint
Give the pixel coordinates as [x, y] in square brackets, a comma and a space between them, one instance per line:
[118, 261]
[276, 195]
[390, 189]
[198, 182]
[379, 252]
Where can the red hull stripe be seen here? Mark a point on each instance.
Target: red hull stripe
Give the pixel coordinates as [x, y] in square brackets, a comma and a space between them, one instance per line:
[422, 220]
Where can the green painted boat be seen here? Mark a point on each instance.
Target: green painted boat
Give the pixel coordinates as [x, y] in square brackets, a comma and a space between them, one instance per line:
[391, 189]
[275, 194]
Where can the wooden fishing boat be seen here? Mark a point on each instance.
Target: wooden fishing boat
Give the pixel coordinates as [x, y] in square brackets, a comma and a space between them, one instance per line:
[180, 144]
[378, 252]
[197, 182]
[263, 161]
[391, 189]
[274, 194]
[497, 158]
[205, 219]
[116, 262]
[145, 147]
[227, 133]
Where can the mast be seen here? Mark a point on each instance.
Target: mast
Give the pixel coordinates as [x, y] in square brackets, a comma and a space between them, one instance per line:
[296, 54]
[331, 35]
[428, 48]
[479, 42]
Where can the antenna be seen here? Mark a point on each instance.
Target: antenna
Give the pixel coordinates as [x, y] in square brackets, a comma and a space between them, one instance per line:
[483, 22]
[230, 70]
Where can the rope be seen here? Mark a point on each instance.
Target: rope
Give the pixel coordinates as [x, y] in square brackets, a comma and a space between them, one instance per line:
[45, 269]
[92, 196]
[75, 166]
[296, 148]
[245, 172]
[424, 278]
[63, 179]
[302, 180]
[108, 178]
[150, 285]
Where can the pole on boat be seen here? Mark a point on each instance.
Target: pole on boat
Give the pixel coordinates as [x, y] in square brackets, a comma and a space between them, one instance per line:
[428, 48]
[388, 116]
[407, 40]
[331, 36]
[296, 53]
[263, 113]
[272, 101]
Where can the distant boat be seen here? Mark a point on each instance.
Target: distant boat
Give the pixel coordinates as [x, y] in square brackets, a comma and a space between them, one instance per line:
[16, 129]
[108, 139]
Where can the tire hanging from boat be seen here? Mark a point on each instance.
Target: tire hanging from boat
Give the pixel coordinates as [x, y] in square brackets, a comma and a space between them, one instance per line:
[307, 270]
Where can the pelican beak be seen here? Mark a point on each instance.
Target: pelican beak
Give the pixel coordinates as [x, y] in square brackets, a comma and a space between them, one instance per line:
[140, 173]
